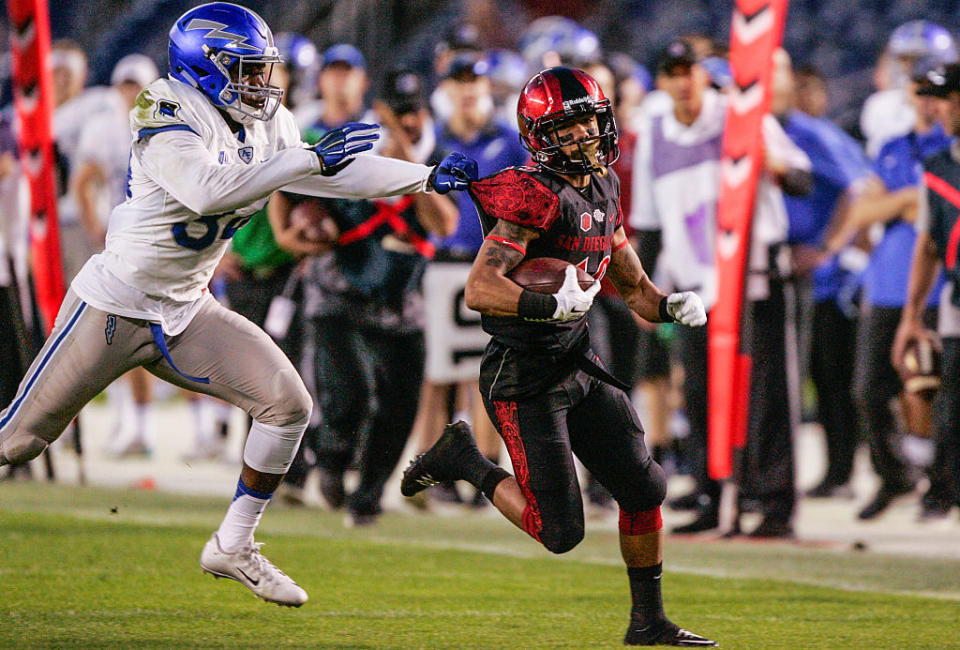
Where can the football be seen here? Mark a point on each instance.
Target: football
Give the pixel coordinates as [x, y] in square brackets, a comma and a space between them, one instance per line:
[921, 369]
[314, 222]
[546, 274]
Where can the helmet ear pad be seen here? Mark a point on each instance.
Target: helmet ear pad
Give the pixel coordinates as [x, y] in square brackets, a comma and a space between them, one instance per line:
[555, 97]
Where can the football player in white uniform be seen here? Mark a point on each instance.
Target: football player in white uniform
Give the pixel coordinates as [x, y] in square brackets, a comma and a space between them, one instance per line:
[211, 143]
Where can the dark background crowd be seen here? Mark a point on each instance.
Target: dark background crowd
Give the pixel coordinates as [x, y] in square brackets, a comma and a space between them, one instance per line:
[360, 294]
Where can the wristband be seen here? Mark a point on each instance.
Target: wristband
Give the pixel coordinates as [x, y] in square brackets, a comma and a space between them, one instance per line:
[665, 316]
[536, 306]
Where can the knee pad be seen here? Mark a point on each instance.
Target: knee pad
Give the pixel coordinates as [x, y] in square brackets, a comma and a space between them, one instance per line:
[561, 538]
[270, 449]
[647, 491]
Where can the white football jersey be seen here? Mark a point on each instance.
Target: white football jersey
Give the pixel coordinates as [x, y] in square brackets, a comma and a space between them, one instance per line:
[192, 182]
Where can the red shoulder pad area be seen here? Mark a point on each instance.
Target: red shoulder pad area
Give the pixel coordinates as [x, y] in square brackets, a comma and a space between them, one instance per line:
[518, 197]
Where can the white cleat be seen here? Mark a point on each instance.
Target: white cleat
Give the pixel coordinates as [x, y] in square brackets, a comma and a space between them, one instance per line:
[250, 568]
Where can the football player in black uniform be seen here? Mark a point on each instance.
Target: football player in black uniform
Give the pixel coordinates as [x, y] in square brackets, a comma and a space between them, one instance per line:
[544, 388]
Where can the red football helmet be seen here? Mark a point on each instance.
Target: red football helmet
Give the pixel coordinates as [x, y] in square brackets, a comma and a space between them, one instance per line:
[554, 98]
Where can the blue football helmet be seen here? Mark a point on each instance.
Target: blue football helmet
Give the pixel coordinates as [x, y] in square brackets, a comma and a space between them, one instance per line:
[220, 49]
[922, 39]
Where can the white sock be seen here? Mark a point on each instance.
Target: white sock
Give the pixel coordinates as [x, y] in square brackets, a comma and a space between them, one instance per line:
[243, 515]
[202, 433]
[140, 412]
[120, 399]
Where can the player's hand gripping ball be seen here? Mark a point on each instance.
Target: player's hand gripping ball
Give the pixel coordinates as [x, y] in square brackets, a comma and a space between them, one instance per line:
[572, 287]
[455, 172]
[546, 275]
[921, 368]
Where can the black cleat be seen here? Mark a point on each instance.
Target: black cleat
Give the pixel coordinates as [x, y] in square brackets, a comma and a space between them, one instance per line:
[886, 495]
[443, 462]
[331, 487]
[706, 519]
[664, 633]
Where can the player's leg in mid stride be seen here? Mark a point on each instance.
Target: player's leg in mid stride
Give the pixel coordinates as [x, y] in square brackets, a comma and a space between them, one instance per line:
[245, 367]
[87, 350]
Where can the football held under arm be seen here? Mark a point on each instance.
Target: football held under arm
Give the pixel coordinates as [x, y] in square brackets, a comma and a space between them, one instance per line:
[489, 290]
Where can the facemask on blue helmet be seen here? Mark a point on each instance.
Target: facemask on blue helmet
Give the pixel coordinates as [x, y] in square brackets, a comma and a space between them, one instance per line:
[227, 52]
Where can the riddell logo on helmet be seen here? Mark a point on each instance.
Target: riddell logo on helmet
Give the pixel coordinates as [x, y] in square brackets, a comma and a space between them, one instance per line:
[568, 103]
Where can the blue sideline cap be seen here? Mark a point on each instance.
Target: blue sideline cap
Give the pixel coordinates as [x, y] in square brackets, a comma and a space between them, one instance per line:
[344, 53]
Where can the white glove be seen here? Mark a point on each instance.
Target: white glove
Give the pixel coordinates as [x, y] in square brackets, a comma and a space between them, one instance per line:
[687, 309]
[572, 301]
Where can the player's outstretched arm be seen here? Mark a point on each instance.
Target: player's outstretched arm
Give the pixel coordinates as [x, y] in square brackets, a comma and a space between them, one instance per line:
[643, 296]
[179, 162]
[489, 290]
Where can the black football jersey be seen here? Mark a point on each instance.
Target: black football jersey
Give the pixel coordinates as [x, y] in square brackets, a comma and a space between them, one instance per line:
[576, 225]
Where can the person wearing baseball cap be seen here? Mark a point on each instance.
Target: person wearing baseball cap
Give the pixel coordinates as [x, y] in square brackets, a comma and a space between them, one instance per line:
[935, 248]
[344, 54]
[342, 84]
[940, 81]
[679, 53]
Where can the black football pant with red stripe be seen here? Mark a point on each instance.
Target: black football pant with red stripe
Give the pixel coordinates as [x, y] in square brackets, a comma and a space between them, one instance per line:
[578, 416]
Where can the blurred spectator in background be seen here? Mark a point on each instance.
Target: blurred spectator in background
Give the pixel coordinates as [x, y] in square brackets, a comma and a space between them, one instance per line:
[342, 84]
[888, 113]
[461, 40]
[366, 310]
[810, 91]
[676, 193]
[508, 74]
[301, 68]
[471, 129]
[937, 226]
[841, 173]
[16, 310]
[98, 184]
[876, 383]
[556, 40]
[633, 83]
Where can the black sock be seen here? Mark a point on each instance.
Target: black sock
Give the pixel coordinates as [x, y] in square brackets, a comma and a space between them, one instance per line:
[475, 467]
[645, 592]
[493, 478]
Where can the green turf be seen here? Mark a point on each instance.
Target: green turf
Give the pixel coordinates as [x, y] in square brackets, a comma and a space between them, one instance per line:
[99, 568]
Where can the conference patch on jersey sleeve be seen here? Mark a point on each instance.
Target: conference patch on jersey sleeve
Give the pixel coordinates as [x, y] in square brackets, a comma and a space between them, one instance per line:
[155, 113]
[517, 197]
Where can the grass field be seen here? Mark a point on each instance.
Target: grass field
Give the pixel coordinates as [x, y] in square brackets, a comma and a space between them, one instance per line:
[102, 568]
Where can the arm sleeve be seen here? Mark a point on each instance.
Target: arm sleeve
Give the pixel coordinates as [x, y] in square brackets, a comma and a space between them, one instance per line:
[177, 160]
[366, 177]
[643, 211]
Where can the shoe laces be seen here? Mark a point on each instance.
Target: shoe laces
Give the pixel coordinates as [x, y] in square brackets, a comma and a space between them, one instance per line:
[261, 564]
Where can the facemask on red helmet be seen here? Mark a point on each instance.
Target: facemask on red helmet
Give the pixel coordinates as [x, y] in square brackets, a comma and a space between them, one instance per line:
[559, 97]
